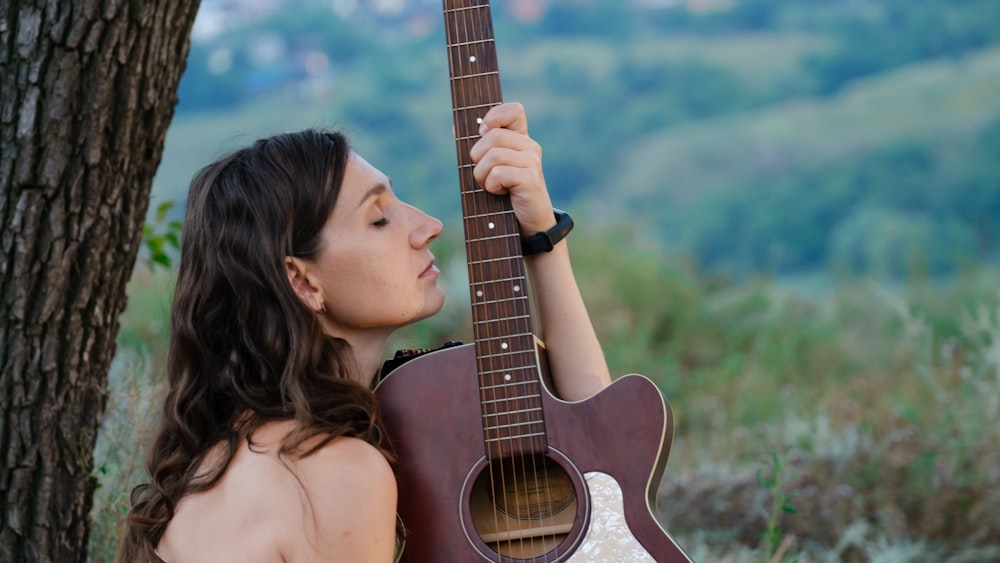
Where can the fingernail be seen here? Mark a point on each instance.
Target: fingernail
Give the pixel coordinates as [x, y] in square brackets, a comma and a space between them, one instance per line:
[483, 128]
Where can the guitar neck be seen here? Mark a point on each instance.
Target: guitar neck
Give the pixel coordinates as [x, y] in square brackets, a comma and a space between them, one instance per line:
[505, 344]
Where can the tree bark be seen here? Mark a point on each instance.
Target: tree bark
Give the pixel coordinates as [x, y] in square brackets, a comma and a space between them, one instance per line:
[87, 91]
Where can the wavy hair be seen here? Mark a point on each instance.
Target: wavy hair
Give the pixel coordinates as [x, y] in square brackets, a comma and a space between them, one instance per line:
[244, 349]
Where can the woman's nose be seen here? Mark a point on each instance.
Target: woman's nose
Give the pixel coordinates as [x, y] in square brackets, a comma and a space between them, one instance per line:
[427, 229]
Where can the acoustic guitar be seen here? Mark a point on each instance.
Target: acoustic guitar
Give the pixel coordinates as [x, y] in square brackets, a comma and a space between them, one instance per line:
[493, 466]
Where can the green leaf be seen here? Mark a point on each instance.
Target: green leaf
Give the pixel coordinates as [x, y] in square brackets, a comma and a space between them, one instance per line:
[162, 209]
[162, 259]
[173, 239]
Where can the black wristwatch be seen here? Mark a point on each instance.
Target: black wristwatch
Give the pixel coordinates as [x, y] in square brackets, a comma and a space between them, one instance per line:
[545, 240]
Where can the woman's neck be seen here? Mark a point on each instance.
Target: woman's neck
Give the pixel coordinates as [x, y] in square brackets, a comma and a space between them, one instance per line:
[368, 350]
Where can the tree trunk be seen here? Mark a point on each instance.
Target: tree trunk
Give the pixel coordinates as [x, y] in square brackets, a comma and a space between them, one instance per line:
[87, 90]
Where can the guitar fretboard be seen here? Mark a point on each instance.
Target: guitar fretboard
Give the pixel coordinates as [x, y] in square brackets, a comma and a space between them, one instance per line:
[510, 391]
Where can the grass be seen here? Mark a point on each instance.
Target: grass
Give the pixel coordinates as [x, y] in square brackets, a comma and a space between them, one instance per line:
[855, 424]
[134, 399]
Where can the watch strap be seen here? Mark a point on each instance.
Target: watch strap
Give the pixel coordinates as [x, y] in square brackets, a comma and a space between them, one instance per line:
[546, 240]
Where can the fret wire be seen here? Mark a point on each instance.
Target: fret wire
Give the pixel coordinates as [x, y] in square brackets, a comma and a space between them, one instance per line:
[507, 371]
[529, 371]
[515, 300]
[519, 436]
[500, 400]
[506, 387]
[476, 42]
[513, 425]
[477, 75]
[464, 8]
[498, 280]
[524, 413]
[480, 106]
[498, 301]
[498, 214]
[489, 260]
[517, 320]
[509, 354]
[502, 284]
[518, 398]
[503, 319]
[507, 337]
[496, 237]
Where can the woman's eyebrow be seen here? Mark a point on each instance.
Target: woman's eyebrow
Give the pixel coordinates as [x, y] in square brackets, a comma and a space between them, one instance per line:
[376, 190]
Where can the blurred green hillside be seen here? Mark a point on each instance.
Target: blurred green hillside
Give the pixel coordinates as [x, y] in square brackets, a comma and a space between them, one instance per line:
[788, 137]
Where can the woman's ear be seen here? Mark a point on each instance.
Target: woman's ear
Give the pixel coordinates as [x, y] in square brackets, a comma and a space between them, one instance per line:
[302, 284]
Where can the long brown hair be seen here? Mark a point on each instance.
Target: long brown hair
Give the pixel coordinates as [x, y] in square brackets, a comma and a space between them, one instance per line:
[244, 349]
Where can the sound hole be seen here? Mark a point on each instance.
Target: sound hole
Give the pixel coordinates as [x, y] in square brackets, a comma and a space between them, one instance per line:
[523, 507]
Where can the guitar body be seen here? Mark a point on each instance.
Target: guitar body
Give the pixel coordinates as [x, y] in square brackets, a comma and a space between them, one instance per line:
[624, 431]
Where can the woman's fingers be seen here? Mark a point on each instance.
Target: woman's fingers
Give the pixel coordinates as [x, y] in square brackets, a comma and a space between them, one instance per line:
[504, 138]
[505, 116]
[504, 157]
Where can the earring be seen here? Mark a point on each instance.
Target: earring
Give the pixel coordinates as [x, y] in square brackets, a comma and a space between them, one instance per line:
[322, 308]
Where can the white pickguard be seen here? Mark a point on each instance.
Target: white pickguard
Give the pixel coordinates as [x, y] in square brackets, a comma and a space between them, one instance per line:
[608, 540]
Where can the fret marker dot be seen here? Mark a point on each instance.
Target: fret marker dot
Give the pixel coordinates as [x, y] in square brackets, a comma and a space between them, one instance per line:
[479, 293]
[507, 377]
[479, 120]
[491, 225]
[517, 288]
[472, 59]
[504, 345]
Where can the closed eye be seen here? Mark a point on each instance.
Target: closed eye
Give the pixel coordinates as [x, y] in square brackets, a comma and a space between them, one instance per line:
[381, 222]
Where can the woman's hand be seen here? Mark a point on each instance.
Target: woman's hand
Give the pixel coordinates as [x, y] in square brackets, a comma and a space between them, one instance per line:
[508, 161]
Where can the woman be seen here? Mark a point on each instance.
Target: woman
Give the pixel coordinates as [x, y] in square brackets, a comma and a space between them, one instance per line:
[298, 262]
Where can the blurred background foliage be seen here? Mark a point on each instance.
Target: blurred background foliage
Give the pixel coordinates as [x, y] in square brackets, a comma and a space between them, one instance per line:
[806, 128]
[787, 218]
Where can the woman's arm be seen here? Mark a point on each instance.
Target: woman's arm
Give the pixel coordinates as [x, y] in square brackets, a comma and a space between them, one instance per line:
[509, 161]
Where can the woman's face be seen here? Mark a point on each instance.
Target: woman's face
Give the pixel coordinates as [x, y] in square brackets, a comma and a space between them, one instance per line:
[374, 269]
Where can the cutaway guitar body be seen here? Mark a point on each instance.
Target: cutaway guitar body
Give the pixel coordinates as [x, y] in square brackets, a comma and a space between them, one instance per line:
[446, 496]
[492, 466]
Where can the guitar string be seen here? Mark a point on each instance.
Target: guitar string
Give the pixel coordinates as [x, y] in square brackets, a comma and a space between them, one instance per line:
[486, 96]
[465, 139]
[468, 135]
[482, 16]
[515, 269]
[535, 458]
[482, 96]
[477, 36]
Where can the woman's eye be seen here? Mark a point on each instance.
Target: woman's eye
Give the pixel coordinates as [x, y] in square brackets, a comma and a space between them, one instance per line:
[381, 222]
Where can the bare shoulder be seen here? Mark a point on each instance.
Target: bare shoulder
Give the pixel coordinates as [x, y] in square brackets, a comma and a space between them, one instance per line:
[348, 504]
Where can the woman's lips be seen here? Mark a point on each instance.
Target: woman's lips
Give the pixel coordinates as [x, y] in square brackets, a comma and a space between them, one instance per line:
[430, 270]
